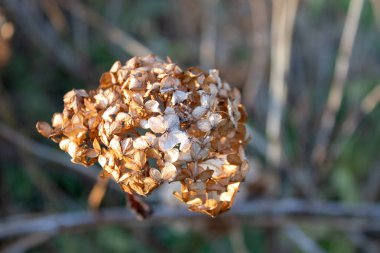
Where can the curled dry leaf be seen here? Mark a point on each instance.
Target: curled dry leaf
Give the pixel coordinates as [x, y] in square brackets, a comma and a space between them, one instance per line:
[189, 124]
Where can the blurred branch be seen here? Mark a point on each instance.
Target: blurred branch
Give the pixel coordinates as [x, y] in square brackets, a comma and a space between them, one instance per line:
[301, 240]
[207, 51]
[376, 11]
[28, 242]
[334, 99]
[55, 15]
[112, 33]
[238, 244]
[47, 153]
[267, 213]
[97, 193]
[259, 49]
[350, 125]
[283, 17]
[371, 187]
[44, 37]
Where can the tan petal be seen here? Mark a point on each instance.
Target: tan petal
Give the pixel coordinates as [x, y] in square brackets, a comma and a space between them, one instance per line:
[197, 186]
[134, 83]
[110, 111]
[152, 106]
[72, 149]
[172, 155]
[204, 125]
[155, 174]
[215, 119]
[234, 159]
[195, 202]
[172, 121]
[205, 175]
[91, 153]
[144, 124]
[169, 171]
[115, 145]
[64, 144]
[140, 143]
[102, 160]
[182, 138]
[157, 124]
[123, 177]
[153, 153]
[179, 96]
[106, 80]
[57, 120]
[123, 116]
[101, 101]
[140, 158]
[167, 141]
[126, 144]
[199, 112]
[44, 128]
[96, 145]
[115, 67]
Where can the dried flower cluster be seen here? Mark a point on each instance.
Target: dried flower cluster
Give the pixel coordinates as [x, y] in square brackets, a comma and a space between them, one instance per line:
[150, 122]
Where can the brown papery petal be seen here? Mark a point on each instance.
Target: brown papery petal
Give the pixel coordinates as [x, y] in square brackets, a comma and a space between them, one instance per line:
[44, 128]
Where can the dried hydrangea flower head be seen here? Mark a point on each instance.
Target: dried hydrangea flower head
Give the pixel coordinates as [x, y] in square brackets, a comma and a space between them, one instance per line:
[150, 122]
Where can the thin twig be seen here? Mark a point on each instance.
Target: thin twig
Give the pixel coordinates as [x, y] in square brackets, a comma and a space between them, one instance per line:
[283, 17]
[112, 33]
[207, 50]
[267, 213]
[259, 49]
[334, 99]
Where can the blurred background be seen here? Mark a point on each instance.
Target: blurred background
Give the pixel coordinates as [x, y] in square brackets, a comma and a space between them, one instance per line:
[309, 72]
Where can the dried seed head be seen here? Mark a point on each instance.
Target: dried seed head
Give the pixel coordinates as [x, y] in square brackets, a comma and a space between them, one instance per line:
[189, 123]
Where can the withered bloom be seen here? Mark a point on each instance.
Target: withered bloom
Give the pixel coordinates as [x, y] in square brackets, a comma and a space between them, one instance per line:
[150, 122]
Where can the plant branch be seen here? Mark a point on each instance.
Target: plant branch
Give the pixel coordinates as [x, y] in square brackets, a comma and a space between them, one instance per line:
[283, 17]
[112, 33]
[334, 99]
[259, 51]
[266, 213]
[207, 50]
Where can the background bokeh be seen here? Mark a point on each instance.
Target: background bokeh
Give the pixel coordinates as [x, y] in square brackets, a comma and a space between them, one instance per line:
[309, 72]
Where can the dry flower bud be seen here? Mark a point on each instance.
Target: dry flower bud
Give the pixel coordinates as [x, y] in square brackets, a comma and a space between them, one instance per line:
[190, 124]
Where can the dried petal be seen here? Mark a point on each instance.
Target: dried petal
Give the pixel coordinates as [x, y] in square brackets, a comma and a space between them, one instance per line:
[140, 143]
[44, 128]
[204, 125]
[152, 106]
[169, 172]
[199, 112]
[157, 124]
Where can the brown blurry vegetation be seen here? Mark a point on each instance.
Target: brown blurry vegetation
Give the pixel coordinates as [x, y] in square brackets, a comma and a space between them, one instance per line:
[309, 74]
